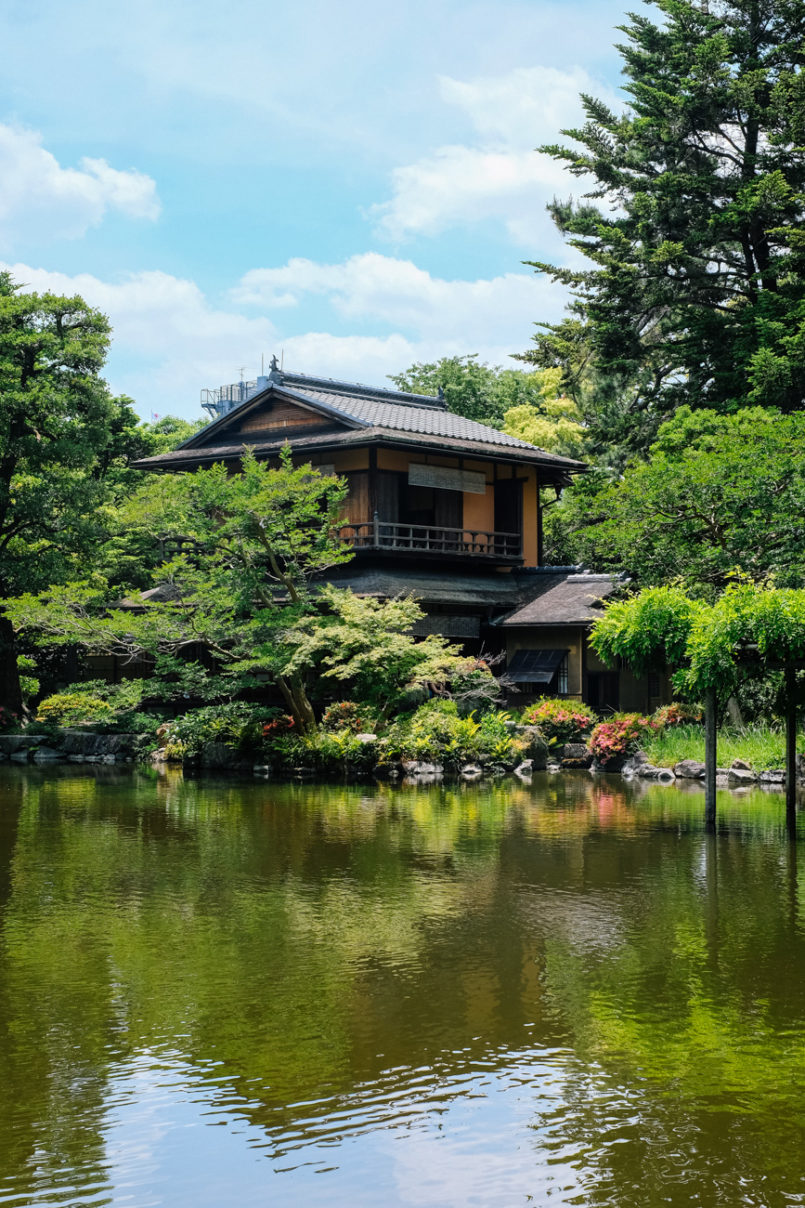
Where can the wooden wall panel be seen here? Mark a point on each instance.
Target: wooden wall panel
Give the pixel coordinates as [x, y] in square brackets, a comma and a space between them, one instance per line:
[356, 505]
[283, 415]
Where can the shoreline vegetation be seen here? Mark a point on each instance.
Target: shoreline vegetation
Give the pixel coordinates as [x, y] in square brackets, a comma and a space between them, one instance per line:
[434, 741]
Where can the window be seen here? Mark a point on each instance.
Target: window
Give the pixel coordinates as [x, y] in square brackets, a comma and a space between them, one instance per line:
[561, 678]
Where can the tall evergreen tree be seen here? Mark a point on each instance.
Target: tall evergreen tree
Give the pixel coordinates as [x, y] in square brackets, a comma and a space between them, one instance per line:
[694, 225]
[61, 434]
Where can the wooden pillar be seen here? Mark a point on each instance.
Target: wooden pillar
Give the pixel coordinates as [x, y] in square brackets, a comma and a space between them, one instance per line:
[710, 758]
[791, 749]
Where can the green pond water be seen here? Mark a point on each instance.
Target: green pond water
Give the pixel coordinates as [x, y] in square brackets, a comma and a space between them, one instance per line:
[220, 992]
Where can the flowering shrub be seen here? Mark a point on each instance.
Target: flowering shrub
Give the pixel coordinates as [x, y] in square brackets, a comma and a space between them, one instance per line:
[281, 724]
[561, 721]
[677, 714]
[620, 736]
[346, 715]
[8, 720]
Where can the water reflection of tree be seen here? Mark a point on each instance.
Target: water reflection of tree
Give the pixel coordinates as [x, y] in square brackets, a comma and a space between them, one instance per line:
[313, 941]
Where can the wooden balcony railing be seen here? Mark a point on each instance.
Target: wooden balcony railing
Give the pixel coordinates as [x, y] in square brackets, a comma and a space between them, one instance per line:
[432, 539]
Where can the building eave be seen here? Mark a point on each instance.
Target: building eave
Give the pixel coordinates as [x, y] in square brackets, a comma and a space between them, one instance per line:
[554, 468]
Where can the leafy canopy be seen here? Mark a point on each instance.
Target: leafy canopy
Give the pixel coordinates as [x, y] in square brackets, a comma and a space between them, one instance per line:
[707, 645]
[716, 494]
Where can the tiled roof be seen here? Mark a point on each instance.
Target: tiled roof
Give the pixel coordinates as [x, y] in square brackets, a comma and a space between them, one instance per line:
[359, 414]
[564, 599]
[400, 416]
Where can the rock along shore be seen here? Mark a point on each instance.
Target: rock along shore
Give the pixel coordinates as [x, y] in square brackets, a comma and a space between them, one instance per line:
[84, 746]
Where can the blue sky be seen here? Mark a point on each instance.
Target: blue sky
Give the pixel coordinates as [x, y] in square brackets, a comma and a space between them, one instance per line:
[350, 186]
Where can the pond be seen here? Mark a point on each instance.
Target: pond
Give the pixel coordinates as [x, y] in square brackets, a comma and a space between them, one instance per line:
[220, 992]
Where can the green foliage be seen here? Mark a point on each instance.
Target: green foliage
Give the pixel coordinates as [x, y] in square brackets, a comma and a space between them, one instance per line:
[237, 725]
[74, 709]
[347, 715]
[29, 683]
[368, 644]
[62, 438]
[550, 420]
[678, 714]
[8, 720]
[693, 226]
[561, 721]
[760, 628]
[97, 703]
[648, 630]
[438, 732]
[717, 493]
[621, 735]
[243, 552]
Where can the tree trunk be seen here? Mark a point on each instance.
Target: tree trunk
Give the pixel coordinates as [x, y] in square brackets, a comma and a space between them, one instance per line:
[10, 692]
[303, 705]
[299, 706]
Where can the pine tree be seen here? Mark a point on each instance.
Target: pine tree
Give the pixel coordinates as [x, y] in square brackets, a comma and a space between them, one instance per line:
[694, 225]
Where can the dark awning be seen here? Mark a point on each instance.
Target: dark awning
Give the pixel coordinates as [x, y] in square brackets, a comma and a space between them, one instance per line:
[535, 666]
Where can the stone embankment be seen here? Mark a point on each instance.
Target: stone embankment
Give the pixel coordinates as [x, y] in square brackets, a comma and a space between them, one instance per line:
[738, 775]
[68, 746]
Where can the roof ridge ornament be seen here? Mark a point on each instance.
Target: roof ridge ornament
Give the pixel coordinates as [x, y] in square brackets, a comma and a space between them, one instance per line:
[276, 374]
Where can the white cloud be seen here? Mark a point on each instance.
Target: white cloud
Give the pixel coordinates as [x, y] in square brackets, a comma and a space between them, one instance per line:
[170, 341]
[38, 195]
[499, 176]
[469, 315]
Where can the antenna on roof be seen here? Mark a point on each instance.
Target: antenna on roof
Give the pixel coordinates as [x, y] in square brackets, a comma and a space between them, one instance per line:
[282, 359]
[242, 371]
[262, 364]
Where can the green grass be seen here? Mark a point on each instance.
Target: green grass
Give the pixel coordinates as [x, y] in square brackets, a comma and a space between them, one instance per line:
[761, 746]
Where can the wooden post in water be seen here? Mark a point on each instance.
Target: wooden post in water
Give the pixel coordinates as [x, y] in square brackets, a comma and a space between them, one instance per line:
[710, 758]
[791, 749]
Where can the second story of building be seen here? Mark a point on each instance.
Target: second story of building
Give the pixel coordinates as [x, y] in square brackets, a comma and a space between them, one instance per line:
[424, 483]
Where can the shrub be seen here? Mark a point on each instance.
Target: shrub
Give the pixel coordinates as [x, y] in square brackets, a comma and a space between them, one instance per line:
[561, 721]
[346, 715]
[340, 750]
[8, 720]
[282, 723]
[326, 751]
[620, 736]
[238, 725]
[677, 714]
[437, 731]
[74, 708]
[95, 703]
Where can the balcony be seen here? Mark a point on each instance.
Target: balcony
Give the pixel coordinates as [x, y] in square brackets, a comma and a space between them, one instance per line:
[391, 537]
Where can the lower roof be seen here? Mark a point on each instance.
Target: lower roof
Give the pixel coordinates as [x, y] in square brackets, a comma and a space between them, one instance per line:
[562, 599]
[549, 596]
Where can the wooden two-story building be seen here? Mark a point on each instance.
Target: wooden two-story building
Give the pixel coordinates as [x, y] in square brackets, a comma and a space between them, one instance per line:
[439, 506]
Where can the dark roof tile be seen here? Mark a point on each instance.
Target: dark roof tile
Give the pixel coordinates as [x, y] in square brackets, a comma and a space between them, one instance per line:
[563, 599]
